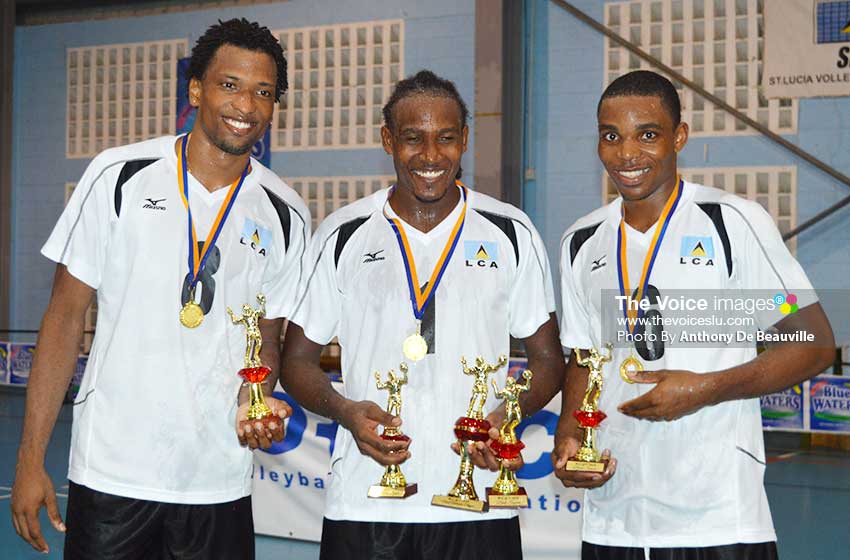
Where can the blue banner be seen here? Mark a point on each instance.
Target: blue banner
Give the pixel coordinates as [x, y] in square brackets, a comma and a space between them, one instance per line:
[829, 404]
[783, 410]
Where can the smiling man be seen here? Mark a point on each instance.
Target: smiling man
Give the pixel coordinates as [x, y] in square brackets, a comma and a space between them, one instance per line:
[483, 275]
[168, 233]
[686, 462]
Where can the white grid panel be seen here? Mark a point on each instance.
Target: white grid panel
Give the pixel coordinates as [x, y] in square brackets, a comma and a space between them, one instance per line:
[91, 312]
[340, 76]
[718, 44]
[324, 195]
[119, 94]
[775, 188]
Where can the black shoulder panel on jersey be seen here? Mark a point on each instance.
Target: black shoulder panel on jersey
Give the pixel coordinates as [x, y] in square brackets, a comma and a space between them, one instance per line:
[130, 168]
[506, 225]
[346, 230]
[579, 238]
[282, 209]
[712, 209]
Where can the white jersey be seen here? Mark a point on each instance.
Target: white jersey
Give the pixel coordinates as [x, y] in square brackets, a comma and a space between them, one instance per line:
[696, 481]
[156, 410]
[497, 284]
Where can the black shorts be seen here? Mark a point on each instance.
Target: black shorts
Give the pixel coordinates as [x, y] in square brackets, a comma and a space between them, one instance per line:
[110, 527]
[741, 551]
[495, 539]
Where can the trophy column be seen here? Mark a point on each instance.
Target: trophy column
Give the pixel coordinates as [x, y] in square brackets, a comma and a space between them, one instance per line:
[254, 373]
[393, 484]
[587, 459]
[506, 491]
[472, 427]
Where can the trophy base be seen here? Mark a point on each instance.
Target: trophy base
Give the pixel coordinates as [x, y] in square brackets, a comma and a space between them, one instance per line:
[378, 491]
[518, 500]
[458, 503]
[586, 466]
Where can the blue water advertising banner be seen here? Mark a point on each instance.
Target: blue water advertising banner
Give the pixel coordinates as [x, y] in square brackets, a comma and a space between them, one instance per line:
[4, 362]
[829, 404]
[783, 410]
[186, 114]
[20, 363]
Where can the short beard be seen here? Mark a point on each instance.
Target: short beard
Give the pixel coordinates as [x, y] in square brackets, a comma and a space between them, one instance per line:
[231, 149]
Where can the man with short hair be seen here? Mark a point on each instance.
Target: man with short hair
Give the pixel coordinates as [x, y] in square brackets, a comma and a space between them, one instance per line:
[685, 470]
[432, 266]
[169, 234]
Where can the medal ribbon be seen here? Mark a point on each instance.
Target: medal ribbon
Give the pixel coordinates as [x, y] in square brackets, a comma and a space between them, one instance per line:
[421, 298]
[196, 260]
[648, 262]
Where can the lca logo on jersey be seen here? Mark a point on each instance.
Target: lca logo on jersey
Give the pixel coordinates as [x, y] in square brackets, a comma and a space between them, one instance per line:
[256, 236]
[697, 251]
[483, 254]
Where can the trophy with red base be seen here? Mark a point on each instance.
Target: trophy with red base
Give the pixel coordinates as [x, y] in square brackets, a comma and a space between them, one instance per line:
[254, 373]
[470, 428]
[506, 492]
[393, 484]
[587, 459]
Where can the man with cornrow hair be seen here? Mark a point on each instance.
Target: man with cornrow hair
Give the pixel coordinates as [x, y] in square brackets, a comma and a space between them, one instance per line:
[483, 275]
[168, 234]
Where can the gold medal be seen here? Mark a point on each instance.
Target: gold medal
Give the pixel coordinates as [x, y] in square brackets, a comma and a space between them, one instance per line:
[191, 315]
[414, 347]
[630, 366]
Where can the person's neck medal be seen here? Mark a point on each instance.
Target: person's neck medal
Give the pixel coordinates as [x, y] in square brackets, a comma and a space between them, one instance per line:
[191, 313]
[415, 347]
[632, 310]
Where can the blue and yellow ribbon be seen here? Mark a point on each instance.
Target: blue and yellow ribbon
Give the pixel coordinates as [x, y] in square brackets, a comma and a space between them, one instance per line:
[630, 314]
[420, 298]
[197, 259]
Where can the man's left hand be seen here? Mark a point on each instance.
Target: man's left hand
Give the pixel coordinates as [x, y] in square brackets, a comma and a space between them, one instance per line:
[257, 434]
[676, 393]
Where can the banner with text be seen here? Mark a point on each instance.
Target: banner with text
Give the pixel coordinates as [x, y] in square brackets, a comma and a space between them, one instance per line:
[806, 48]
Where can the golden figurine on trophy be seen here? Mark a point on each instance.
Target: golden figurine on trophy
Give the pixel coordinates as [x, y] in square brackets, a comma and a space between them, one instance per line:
[254, 372]
[506, 492]
[587, 459]
[393, 484]
[472, 427]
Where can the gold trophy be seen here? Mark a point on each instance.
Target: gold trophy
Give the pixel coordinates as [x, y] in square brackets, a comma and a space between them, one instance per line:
[472, 427]
[506, 492]
[393, 484]
[254, 372]
[587, 459]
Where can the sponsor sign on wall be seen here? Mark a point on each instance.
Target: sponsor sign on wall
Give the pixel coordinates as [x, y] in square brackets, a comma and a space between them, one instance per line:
[806, 48]
[20, 363]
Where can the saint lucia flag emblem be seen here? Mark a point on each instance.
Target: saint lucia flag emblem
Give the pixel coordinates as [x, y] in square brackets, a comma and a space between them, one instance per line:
[256, 236]
[693, 246]
[483, 254]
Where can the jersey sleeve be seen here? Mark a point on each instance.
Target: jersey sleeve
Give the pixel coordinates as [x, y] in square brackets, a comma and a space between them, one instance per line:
[319, 304]
[575, 319]
[80, 239]
[532, 297]
[281, 281]
[767, 268]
